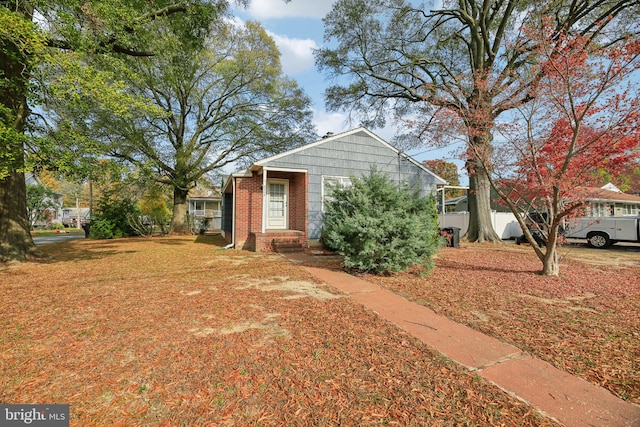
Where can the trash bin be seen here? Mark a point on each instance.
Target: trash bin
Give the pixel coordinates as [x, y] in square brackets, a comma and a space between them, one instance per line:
[455, 239]
[452, 234]
[85, 227]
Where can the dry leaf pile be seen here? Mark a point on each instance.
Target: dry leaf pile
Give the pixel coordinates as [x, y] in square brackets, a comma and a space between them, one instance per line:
[176, 332]
[586, 322]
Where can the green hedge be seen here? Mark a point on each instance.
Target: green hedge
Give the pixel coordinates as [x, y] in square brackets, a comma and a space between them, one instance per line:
[381, 227]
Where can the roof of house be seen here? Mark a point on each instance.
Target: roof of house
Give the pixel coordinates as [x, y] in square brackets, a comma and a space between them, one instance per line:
[258, 165]
[31, 179]
[201, 197]
[454, 200]
[332, 137]
[73, 212]
[602, 194]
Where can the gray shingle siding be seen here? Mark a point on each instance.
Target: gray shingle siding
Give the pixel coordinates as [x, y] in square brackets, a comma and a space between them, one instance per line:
[350, 154]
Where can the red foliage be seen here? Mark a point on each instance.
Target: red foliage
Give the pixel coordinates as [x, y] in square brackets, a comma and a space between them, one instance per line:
[567, 158]
[586, 116]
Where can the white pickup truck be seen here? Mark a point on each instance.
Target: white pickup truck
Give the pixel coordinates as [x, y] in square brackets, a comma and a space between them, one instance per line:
[603, 232]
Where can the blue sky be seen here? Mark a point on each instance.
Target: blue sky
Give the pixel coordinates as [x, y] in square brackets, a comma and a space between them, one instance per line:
[297, 29]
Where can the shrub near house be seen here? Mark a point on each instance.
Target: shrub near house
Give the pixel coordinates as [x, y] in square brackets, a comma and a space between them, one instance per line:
[380, 227]
[110, 220]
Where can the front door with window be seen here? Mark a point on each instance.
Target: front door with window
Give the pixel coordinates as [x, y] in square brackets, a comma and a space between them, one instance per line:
[277, 204]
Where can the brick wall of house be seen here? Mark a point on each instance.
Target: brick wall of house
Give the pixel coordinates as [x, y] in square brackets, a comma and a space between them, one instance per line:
[248, 211]
[248, 216]
[298, 198]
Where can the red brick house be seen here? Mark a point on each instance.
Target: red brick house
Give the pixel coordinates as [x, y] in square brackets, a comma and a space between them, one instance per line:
[277, 203]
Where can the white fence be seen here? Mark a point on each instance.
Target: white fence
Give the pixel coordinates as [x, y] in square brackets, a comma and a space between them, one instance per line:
[504, 223]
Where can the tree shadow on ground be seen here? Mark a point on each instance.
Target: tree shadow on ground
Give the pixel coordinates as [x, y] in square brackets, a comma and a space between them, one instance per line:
[80, 250]
[211, 239]
[455, 266]
[86, 249]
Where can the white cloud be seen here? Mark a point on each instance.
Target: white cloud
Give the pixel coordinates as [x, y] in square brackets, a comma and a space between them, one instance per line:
[330, 122]
[267, 9]
[297, 54]
[339, 122]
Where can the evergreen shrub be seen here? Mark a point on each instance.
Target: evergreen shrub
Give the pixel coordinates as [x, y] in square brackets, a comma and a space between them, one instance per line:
[381, 227]
[110, 221]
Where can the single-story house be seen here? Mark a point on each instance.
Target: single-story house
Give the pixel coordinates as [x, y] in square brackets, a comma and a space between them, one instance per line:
[278, 202]
[206, 209]
[603, 201]
[458, 204]
[609, 200]
[70, 216]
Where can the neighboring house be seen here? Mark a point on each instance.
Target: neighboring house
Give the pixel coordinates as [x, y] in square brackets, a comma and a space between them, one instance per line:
[206, 209]
[457, 204]
[70, 216]
[461, 204]
[608, 201]
[278, 202]
[603, 201]
[55, 212]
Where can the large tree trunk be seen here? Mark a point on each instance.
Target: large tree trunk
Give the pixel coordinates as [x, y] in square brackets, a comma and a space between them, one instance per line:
[16, 243]
[180, 210]
[478, 167]
[480, 122]
[480, 227]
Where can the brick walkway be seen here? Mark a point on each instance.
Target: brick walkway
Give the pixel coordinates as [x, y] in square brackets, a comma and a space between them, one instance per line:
[564, 397]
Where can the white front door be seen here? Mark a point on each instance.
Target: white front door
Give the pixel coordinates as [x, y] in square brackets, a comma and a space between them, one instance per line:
[277, 204]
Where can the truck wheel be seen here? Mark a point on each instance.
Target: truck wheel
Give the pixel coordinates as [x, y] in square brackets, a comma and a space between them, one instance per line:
[599, 240]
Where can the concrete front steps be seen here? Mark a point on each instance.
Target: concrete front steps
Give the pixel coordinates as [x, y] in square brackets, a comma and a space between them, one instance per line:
[287, 246]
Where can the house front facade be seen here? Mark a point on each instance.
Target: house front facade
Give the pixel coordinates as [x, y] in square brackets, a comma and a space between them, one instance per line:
[70, 217]
[610, 201]
[206, 210]
[278, 202]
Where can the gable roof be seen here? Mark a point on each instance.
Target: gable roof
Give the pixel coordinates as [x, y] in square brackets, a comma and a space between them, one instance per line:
[32, 179]
[358, 131]
[602, 194]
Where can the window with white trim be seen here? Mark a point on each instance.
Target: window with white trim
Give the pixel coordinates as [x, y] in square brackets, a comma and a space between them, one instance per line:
[600, 210]
[630, 209]
[197, 207]
[329, 183]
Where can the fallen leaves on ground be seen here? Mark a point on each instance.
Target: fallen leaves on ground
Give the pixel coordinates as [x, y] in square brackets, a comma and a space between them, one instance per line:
[585, 322]
[177, 332]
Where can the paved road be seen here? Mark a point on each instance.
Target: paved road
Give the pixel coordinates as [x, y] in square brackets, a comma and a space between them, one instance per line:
[621, 246]
[56, 238]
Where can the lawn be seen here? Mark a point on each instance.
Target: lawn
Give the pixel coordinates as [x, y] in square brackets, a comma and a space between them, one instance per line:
[46, 233]
[586, 322]
[175, 331]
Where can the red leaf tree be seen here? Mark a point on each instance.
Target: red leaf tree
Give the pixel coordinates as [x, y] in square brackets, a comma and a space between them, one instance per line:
[585, 118]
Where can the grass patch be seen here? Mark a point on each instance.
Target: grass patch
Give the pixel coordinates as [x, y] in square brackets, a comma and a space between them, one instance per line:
[47, 233]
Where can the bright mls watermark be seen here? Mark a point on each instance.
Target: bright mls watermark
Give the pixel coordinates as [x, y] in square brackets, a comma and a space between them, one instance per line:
[34, 415]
